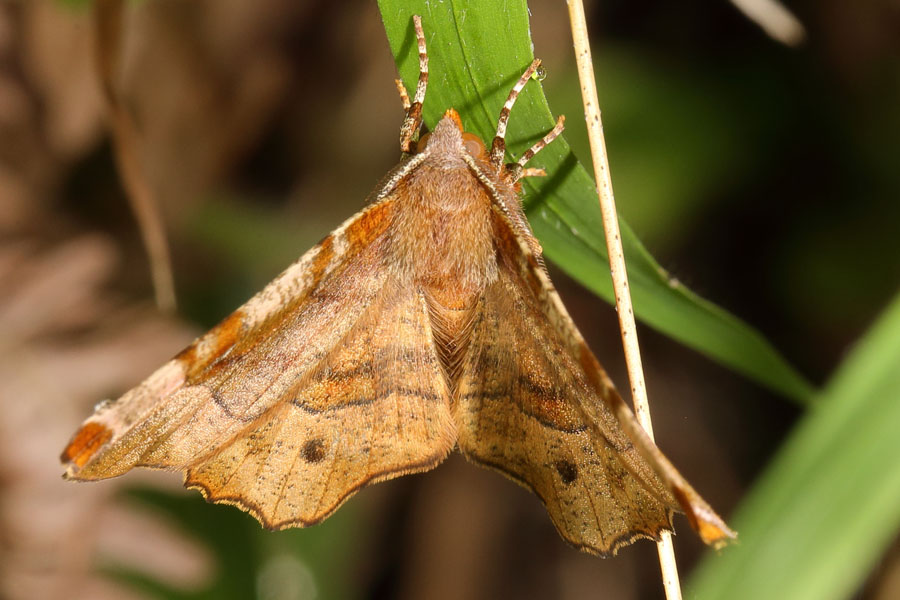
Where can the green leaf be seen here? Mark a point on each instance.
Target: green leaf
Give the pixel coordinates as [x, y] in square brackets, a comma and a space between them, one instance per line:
[75, 4]
[829, 504]
[477, 50]
[249, 561]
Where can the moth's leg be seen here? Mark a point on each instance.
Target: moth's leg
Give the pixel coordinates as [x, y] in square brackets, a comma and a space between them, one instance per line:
[513, 172]
[414, 109]
[517, 170]
[498, 146]
[538, 146]
[532, 172]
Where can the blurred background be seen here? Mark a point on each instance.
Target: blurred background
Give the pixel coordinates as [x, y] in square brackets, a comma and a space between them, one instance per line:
[762, 176]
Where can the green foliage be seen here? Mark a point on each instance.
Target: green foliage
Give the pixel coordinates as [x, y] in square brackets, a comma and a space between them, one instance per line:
[829, 503]
[247, 558]
[476, 52]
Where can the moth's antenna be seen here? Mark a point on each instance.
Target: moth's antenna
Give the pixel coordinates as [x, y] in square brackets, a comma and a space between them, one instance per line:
[498, 146]
[413, 109]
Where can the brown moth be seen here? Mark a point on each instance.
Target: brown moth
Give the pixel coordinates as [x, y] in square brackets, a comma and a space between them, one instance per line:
[425, 322]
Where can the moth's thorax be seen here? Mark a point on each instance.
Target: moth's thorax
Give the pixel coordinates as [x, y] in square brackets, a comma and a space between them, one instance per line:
[446, 239]
[448, 145]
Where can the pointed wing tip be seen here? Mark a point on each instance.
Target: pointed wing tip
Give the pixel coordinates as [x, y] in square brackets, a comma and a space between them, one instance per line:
[84, 445]
[709, 526]
[711, 529]
[714, 532]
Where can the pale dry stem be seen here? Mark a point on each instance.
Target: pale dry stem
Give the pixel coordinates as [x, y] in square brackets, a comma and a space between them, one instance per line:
[627, 326]
[775, 19]
[108, 21]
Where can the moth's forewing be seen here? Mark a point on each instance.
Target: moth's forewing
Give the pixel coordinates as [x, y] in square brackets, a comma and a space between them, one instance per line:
[374, 408]
[296, 400]
[535, 404]
[519, 413]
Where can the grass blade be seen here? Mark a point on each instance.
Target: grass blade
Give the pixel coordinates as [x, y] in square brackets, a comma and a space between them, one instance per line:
[477, 51]
[829, 503]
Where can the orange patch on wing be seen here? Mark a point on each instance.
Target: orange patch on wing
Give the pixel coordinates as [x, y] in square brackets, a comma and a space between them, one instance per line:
[369, 226]
[323, 258]
[227, 333]
[85, 443]
[708, 525]
[714, 535]
[214, 344]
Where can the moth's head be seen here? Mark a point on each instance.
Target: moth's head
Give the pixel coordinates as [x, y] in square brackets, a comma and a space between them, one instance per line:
[449, 139]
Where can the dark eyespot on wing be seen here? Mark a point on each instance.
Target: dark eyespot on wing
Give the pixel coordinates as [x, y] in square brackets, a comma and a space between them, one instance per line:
[567, 470]
[313, 450]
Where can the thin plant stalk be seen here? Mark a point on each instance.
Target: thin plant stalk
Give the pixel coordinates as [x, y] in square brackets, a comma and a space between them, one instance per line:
[627, 326]
[108, 17]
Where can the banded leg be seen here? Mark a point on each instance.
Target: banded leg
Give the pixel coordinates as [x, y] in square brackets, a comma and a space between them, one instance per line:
[517, 170]
[413, 109]
[498, 146]
[541, 143]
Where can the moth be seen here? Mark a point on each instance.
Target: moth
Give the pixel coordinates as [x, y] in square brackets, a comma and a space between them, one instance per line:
[424, 323]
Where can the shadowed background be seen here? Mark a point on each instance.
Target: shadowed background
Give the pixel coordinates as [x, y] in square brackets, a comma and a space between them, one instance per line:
[763, 177]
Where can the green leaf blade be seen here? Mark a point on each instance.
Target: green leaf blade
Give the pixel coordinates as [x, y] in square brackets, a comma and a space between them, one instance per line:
[476, 53]
[830, 502]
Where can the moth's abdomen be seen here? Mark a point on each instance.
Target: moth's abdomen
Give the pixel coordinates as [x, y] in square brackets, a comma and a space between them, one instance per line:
[451, 312]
